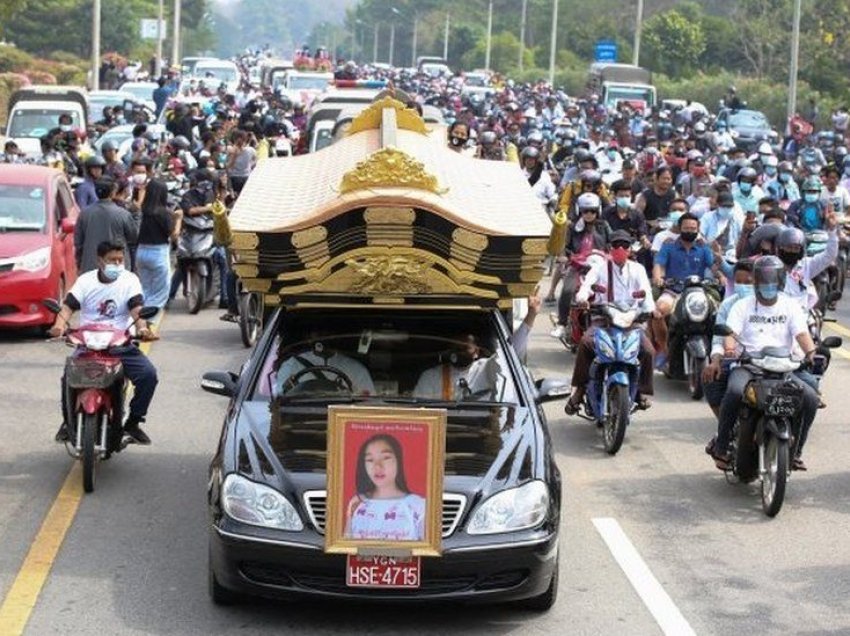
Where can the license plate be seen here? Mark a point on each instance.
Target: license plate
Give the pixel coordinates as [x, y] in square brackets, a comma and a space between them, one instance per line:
[382, 571]
[782, 405]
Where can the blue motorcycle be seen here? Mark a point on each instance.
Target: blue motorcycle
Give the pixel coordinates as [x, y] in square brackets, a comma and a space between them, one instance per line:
[611, 394]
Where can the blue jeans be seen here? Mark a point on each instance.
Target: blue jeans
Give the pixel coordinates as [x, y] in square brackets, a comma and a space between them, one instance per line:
[152, 266]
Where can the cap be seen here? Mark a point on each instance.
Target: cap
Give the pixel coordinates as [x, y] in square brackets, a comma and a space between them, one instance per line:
[620, 235]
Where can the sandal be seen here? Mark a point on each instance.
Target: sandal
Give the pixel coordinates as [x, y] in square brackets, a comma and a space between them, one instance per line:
[642, 403]
[798, 464]
[228, 317]
[723, 462]
[571, 408]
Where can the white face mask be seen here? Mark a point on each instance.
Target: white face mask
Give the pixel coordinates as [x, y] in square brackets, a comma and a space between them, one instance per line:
[140, 179]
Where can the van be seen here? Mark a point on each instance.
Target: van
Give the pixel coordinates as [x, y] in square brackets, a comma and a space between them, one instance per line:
[34, 112]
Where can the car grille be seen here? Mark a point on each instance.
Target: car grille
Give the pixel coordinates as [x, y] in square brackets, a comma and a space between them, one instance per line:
[5, 310]
[315, 501]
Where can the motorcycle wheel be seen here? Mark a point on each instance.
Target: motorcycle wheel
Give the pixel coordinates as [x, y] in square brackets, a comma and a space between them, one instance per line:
[197, 290]
[695, 388]
[746, 458]
[89, 454]
[250, 318]
[775, 477]
[614, 427]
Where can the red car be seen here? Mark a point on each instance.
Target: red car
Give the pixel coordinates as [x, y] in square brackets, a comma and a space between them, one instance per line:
[37, 218]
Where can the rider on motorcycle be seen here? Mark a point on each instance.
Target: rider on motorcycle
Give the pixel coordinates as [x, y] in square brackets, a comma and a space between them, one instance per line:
[745, 191]
[85, 193]
[769, 318]
[802, 269]
[833, 192]
[621, 277]
[112, 296]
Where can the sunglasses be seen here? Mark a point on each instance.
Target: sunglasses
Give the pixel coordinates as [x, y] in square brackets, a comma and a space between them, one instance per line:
[621, 244]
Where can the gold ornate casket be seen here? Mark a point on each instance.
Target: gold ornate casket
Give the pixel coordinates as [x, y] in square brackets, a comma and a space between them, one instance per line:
[389, 215]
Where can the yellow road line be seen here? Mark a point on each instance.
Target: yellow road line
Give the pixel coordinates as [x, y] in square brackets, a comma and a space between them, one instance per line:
[21, 598]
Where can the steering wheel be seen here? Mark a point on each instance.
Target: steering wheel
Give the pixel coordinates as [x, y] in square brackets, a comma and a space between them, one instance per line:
[341, 382]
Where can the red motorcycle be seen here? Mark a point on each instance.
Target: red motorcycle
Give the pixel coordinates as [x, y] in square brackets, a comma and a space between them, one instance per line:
[94, 393]
[579, 317]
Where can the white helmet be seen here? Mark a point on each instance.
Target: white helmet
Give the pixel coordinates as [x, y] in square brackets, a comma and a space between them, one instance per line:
[588, 201]
[765, 149]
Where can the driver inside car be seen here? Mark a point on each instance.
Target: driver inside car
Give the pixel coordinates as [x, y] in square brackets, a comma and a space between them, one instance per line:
[321, 356]
[463, 372]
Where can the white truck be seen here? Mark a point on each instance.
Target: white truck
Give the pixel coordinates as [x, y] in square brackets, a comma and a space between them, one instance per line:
[616, 83]
[34, 111]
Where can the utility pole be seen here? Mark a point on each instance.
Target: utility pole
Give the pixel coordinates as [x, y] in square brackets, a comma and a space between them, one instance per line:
[446, 37]
[415, 38]
[375, 45]
[95, 47]
[554, 42]
[489, 35]
[795, 61]
[638, 28]
[522, 31]
[392, 41]
[158, 65]
[175, 42]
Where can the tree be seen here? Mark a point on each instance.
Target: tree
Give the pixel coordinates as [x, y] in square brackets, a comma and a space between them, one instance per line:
[673, 43]
[763, 28]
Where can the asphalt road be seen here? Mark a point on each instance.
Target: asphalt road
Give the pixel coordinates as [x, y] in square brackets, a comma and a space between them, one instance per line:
[134, 558]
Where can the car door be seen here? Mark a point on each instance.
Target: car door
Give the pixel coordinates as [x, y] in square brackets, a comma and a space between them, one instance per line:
[66, 208]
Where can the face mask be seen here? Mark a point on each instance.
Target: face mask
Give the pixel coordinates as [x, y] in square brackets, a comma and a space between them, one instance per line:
[222, 157]
[675, 216]
[461, 359]
[612, 154]
[742, 290]
[724, 212]
[769, 291]
[769, 171]
[620, 255]
[745, 187]
[112, 271]
[784, 177]
[66, 128]
[811, 197]
[698, 171]
[140, 179]
[624, 202]
[688, 237]
[457, 141]
[790, 258]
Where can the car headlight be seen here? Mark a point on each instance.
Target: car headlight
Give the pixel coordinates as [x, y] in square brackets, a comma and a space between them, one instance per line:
[258, 505]
[33, 261]
[696, 306]
[512, 510]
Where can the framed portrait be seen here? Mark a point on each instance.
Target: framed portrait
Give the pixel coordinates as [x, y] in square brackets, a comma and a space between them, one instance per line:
[385, 480]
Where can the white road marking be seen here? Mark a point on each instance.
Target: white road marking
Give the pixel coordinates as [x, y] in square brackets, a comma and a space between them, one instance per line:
[657, 601]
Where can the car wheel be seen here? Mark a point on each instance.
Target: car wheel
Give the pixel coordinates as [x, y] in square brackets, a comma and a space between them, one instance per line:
[545, 601]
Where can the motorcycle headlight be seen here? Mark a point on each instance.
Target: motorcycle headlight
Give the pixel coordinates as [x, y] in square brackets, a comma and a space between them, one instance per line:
[512, 510]
[97, 340]
[33, 261]
[623, 319]
[696, 306]
[258, 505]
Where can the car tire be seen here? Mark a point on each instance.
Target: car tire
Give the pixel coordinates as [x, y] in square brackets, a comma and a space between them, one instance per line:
[218, 594]
[544, 602]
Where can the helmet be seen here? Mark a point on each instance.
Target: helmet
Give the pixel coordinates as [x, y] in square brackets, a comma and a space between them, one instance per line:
[588, 201]
[535, 138]
[846, 162]
[487, 138]
[785, 166]
[95, 162]
[812, 184]
[747, 173]
[768, 279]
[181, 143]
[771, 161]
[791, 237]
[590, 177]
[530, 152]
[764, 149]
[109, 145]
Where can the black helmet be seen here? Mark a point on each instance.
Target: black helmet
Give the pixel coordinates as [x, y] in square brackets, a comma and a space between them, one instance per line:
[747, 173]
[109, 145]
[530, 152]
[95, 161]
[768, 279]
[487, 138]
[181, 143]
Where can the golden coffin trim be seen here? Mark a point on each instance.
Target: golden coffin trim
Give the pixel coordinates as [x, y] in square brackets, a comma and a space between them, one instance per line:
[310, 236]
[389, 168]
[471, 240]
[371, 117]
[390, 215]
[245, 241]
[537, 247]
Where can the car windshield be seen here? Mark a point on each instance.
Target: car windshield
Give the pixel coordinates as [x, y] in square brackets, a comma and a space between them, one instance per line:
[37, 122]
[99, 102]
[220, 73]
[398, 360]
[748, 119]
[22, 208]
[624, 94]
[139, 91]
[307, 83]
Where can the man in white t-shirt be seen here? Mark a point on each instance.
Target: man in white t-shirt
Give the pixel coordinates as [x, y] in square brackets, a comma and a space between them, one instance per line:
[112, 296]
[769, 318]
[361, 379]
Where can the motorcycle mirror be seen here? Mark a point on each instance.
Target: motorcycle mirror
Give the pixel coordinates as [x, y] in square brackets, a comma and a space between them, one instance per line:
[599, 289]
[721, 330]
[833, 342]
[146, 313]
[640, 294]
[52, 305]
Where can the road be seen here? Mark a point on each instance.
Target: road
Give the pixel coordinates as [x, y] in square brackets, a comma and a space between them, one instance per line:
[133, 560]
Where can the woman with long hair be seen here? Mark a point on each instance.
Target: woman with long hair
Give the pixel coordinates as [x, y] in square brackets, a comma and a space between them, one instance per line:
[158, 227]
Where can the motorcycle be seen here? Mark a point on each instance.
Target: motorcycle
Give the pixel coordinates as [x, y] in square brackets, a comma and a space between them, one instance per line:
[195, 252]
[579, 319]
[826, 282]
[611, 394]
[689, 328]
[768, 425]
[94, 393]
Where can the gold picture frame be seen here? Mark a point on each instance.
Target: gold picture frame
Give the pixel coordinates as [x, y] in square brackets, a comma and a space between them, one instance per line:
[398, 454]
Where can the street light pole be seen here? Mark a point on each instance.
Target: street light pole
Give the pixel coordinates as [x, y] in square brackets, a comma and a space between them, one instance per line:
[489, 34]
[95, 47]
[158, 64]
[795, 61]
[415, 38]
[392, 42]
[446, 37]
[175, 42]
[522, 31]
[375, 45]
[638, 28]
[554, 42]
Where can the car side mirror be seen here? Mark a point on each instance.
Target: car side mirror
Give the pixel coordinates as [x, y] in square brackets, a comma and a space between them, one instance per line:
[721, 330]
[67, 226]
[550, 390]
[833, 342]
[223, 383]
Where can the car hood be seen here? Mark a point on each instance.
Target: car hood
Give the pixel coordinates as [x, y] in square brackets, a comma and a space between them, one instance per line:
[487, 449]
[17, 243]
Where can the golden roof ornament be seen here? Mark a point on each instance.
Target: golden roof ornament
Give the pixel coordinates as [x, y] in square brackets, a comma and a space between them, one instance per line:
[371, 117]
[389, 168]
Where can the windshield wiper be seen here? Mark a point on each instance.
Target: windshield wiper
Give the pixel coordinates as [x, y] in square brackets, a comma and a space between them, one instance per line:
[489, 404]
[321, 399]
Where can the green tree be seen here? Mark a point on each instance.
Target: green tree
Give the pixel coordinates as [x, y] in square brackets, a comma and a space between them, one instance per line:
[673, 43]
